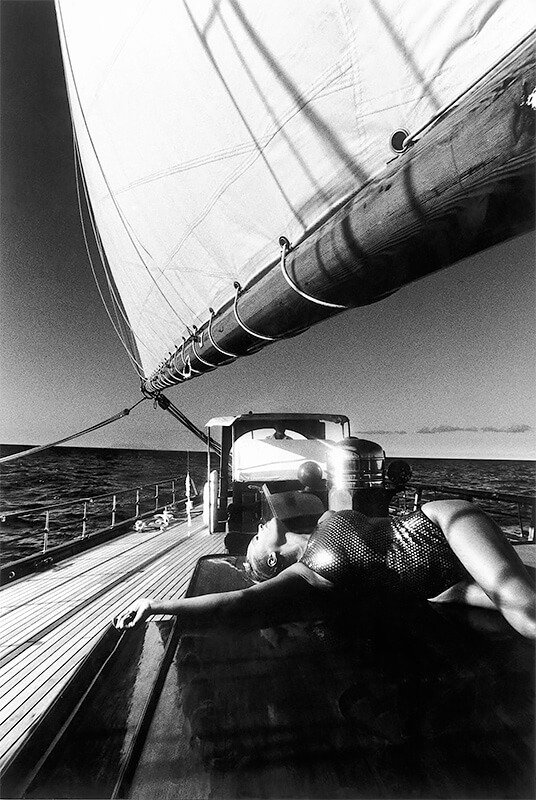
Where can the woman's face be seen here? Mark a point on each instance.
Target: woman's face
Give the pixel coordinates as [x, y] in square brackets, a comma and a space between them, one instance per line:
[269, 539]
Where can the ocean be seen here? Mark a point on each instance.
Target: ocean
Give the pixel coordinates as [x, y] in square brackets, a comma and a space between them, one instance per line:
[65, 473]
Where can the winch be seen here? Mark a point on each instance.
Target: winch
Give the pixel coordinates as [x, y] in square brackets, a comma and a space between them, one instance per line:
[358, 478]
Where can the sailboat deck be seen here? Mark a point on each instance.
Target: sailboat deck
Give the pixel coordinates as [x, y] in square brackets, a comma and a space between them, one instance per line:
[51, 621]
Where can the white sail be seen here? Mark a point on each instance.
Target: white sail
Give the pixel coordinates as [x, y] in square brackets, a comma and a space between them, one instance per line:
[209, 129]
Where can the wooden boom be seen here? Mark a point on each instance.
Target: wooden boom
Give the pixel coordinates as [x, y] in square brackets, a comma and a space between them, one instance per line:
[465, 185]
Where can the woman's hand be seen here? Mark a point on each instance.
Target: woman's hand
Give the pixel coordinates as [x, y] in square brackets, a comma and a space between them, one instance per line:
[133, 616]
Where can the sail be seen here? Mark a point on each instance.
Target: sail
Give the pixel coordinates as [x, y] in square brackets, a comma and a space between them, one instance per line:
[208, 129]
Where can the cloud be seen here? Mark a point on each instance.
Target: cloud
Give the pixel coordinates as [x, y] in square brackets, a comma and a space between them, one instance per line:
[521, 428]
[445, 429]
[511, 429]
[383, 433]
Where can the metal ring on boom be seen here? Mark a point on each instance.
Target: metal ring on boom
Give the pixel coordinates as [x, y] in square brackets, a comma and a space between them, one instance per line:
[285, 248]
[242, 324]
[210, 336]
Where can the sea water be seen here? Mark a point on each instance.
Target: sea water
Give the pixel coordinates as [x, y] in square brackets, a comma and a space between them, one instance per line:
[61, 474]
[65, 473]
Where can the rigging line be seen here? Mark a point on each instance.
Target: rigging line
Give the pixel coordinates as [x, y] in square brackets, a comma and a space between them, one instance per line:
[138, 368]
[129, 347]
[124, 413]
[111, 194]
[116, 301]
[166, 404]
[109, 280]
[117, 306]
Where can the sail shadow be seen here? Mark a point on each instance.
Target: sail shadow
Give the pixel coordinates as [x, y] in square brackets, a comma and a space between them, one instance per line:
[236, 104]
[406, 53]
[279, 126]
[322, 127]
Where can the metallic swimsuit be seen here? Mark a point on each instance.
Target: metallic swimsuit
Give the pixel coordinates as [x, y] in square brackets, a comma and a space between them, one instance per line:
[398, 554]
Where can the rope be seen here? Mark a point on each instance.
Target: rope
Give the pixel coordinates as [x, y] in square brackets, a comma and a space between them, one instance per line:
[198, 337]
[202, 360]
[165, 403]
[285, 248]
[242, 324]
[38, 449]
[211, 337]
[79, 174]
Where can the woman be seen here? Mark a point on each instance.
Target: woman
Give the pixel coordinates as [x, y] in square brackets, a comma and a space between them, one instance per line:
[449, 551]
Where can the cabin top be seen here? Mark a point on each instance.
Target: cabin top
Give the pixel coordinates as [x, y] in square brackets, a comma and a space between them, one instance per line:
[269, 417]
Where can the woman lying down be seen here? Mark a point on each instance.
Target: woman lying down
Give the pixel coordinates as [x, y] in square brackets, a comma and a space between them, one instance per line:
[448, 551]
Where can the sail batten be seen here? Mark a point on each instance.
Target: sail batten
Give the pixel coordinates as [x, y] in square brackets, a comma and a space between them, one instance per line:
[207, 130]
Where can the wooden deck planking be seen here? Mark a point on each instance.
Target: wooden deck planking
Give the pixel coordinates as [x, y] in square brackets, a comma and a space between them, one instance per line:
[99, 615]
[54, 605]
[66, 570]
[59, 678]
[87, 583]
[125, 593]
[16, 595]
[40, 656]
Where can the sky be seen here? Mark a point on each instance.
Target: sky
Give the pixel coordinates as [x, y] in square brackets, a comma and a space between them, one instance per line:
[444, 368]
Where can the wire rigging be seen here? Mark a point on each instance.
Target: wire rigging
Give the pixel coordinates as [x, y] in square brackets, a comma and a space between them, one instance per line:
[39, 448]
[137, 366]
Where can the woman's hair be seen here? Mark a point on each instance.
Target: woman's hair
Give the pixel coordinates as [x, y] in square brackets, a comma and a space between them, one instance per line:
[265, 567]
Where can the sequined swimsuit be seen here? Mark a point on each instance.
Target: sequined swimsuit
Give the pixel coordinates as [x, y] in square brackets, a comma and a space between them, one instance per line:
[406, 554]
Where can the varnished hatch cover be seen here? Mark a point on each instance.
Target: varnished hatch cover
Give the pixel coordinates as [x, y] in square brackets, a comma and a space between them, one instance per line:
[379, 701]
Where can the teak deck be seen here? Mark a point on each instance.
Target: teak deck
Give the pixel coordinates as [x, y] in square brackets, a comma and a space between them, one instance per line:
[51, 621]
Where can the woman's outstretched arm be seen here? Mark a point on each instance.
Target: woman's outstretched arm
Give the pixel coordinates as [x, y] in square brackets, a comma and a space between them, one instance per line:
[490, 559]
[296, 593]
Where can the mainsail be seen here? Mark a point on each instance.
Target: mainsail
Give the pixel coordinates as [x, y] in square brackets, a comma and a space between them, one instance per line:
[208, 129]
